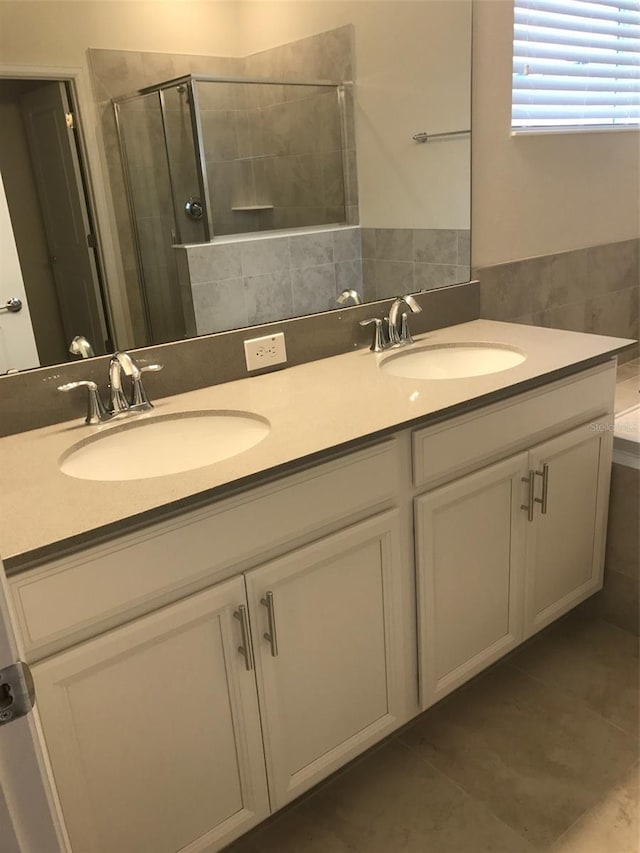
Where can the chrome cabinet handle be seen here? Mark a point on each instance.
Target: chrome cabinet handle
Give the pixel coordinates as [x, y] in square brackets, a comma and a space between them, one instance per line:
[531, 485]
[543, 501]
[245, 649]
[270, 635]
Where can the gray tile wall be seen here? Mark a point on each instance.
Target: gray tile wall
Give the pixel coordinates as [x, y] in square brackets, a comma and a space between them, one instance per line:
[248, 282]
[596, 289]
[275, 146]
[303, 274]
[404, 260]
[327, 56]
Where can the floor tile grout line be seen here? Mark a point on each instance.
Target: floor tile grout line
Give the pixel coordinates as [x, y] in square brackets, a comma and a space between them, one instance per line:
[574, 700]
[577, 699]
[591, 808]
[414, 751]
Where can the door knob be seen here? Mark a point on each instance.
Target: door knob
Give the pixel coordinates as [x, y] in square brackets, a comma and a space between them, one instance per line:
[12, 305]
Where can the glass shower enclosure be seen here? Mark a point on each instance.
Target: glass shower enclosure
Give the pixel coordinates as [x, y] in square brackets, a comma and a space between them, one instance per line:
[209, 157]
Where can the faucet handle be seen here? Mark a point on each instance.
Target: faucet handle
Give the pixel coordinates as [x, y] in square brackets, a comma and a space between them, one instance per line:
[380, 342]
[96, 411]
[139, 400]
[405, 333]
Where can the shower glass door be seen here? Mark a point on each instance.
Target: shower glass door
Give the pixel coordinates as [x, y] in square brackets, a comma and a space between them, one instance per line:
[143, 139]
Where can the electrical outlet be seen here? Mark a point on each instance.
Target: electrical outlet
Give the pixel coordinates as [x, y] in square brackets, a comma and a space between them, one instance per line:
[265, 352]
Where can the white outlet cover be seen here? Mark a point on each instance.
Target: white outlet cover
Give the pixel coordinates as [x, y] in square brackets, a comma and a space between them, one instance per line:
[261, 353]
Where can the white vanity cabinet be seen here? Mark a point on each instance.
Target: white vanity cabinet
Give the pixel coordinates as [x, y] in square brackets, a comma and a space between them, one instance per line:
[470, 538]
[183, 727]
[153, 731]
[503, 551]
[327, 627]
[196, 675]
[565, 541]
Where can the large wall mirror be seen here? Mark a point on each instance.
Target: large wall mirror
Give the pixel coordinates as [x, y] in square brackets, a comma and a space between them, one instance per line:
[318, 157]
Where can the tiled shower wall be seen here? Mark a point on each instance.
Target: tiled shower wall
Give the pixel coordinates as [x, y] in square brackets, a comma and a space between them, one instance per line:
[325, 56]
[247, 282]
[251, 281]
[586, 290]
[273, 154]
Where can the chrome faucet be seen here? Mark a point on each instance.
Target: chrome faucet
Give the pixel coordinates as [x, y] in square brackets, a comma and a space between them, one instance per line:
[122, 363]
[347, 295]
[399, 334]
[397, 325]
[81, 346]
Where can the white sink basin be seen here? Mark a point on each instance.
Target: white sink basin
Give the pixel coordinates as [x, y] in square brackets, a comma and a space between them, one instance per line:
[451, 361]
[161, 445]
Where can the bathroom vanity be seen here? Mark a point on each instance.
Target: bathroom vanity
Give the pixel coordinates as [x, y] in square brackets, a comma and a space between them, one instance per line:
[241, 631]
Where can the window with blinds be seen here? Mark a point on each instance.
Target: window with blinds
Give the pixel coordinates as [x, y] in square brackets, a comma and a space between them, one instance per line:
[576, 63]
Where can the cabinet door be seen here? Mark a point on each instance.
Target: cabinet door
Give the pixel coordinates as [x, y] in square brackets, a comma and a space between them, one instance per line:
[470, 561]
[565, 541]
[329, 677]
[153, 731]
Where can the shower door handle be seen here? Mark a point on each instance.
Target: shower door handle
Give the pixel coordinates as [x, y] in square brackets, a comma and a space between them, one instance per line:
[194, 209]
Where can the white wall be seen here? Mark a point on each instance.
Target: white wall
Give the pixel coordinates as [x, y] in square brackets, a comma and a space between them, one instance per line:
[535, 195]
[39, 32]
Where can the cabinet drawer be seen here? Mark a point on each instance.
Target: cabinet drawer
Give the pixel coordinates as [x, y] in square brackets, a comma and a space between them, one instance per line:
[470, 441]
[82, 595]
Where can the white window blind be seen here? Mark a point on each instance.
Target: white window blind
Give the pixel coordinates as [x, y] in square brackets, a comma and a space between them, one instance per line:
[576, 63]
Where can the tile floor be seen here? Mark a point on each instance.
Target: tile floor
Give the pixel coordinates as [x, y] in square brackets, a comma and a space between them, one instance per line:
[540, 752]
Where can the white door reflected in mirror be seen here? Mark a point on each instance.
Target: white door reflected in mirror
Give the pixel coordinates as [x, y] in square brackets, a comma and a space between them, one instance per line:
[17, 343]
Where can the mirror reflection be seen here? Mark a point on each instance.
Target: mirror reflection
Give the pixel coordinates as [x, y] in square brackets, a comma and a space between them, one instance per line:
[322, 161]
[205, 157]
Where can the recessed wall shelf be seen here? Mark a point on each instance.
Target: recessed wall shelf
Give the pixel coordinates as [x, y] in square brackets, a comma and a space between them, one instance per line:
[252, 208]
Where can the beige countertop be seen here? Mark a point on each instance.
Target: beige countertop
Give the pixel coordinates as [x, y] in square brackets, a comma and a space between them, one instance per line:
[311, 408]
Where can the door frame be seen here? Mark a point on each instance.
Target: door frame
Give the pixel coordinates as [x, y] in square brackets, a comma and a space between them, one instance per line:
[30, 813]
[97, 185]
